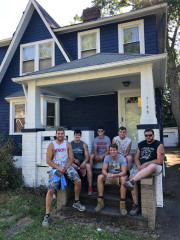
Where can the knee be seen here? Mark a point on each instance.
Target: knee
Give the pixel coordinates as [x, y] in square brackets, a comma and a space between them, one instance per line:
[78, 183]
[50, 192]
[153, 167]
[100, 178]
[123, 180]
[129, 158]
[88, 167]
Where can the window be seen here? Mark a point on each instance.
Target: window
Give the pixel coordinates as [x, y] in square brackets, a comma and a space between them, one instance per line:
[50, 117]
[88, 43]
[131, 37]
[36, 56]
[19, 117]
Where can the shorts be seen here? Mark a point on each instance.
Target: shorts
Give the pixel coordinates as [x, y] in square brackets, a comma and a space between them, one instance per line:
[134, 170]
[112, 181]
[71, 174]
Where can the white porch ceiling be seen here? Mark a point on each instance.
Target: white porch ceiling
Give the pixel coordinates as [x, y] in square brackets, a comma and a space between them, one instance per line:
[94, 86]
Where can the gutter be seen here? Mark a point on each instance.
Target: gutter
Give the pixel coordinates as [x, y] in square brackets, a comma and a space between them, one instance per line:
[142, 60]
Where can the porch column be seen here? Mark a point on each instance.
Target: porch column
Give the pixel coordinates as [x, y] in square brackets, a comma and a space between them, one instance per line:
[148, 112]
[33, 119]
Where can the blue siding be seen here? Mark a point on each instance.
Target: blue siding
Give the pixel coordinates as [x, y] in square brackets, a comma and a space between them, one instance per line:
[69, 41]
[150, 35]
[91, 112]
[3, 51]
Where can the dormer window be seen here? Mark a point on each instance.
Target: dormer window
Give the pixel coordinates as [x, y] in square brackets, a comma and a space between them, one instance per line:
[88, 43]
[131, 37]
[36, 56]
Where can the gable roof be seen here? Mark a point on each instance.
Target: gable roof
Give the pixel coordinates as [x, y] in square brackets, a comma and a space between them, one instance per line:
[48, 21]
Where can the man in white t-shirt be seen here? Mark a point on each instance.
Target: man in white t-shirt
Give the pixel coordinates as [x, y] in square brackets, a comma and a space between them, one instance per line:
[124, 146]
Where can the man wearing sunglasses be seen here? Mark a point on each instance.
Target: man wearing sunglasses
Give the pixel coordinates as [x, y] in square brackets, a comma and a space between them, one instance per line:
[148, 160]
[101, 146]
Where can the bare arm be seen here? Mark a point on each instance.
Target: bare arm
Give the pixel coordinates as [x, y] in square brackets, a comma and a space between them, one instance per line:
[86, 153]
[104, 170]
[113, 141]
[137, 162]
[128, 150]
[70, 156]
[106, 153]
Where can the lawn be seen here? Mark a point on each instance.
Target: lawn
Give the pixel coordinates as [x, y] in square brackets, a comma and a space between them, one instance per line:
[21, 215]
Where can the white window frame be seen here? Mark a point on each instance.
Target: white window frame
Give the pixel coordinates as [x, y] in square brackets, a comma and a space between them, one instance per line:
[121, 27]
[14, 102]
[44, 100]
[36, 54]
[80, 34]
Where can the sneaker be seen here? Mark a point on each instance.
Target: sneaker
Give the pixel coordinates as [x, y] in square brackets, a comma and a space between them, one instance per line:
[129, 185]
[100, 205]
[123, 211]
[135, 210]
[79, 206]
[90, 191]
[82, 172]
[46, 221]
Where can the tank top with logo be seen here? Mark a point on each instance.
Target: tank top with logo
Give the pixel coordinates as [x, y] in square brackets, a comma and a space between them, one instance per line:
[78, 151]
[61, 154]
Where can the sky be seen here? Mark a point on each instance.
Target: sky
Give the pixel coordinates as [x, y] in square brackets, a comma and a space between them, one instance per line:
[62, 11]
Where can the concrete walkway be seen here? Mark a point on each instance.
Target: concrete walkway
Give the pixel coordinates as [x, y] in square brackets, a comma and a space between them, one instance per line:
[168, 217]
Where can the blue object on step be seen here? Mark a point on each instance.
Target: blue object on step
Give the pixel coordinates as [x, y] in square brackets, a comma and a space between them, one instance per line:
[57, 178]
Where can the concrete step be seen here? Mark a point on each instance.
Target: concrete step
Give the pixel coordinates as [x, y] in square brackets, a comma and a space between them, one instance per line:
[109, 214]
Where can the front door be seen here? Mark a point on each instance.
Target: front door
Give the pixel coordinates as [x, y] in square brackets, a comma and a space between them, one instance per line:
[130, 115]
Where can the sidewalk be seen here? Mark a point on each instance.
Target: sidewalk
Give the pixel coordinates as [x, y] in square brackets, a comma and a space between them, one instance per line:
[168, 217]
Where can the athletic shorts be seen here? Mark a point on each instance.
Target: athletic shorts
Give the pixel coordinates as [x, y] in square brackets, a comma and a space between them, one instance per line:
[70, 173]
[134, 170]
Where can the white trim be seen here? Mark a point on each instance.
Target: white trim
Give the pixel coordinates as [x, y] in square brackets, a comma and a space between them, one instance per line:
[5, 42]
[44, 100]
[80, 34]
[121, 106]
[121, 27]
[19, 33]
[36, 54]
[13, 102]
[156, 9]
[142, 60]
[51, 32]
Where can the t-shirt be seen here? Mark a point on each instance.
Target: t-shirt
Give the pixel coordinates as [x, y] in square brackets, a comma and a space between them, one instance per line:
[78, 151]
[122, 144]
[114, 166]
[101, 144]
[148, 152]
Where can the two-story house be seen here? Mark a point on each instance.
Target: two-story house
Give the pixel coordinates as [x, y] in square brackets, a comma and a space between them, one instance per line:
[104, 71]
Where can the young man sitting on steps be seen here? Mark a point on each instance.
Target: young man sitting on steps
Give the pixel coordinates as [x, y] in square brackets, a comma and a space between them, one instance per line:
[148, 160]
[113, 172]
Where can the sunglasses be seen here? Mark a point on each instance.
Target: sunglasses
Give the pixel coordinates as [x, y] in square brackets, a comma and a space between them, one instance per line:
[148, 135]
[101, 130]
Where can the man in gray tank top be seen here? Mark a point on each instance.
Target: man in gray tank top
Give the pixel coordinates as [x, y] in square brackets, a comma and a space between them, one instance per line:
[81, 158]
[60, 156]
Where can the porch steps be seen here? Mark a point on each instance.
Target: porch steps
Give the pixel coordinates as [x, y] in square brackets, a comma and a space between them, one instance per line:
[111, 210]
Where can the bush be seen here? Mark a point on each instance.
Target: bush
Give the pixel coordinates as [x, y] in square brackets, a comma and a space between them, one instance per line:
[10, 177]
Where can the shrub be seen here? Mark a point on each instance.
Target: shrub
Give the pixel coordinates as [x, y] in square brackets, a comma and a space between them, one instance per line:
[10, 177]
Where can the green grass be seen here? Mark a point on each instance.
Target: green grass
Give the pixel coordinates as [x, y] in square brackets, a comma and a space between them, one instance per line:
[15, 205]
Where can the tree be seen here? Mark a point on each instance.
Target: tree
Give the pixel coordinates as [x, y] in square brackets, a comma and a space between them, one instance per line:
[172, 42]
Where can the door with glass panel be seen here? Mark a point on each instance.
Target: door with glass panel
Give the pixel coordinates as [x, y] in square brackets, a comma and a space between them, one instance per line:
[130, 115]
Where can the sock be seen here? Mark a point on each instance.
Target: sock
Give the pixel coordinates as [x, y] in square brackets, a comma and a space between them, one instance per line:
[76, 201]
[100, 197]
[121, 199]
[48, 215]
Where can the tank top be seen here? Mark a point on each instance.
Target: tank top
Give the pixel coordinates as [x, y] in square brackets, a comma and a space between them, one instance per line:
[148, 152]
[122, 144]
[78, 151]
[61, 154]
